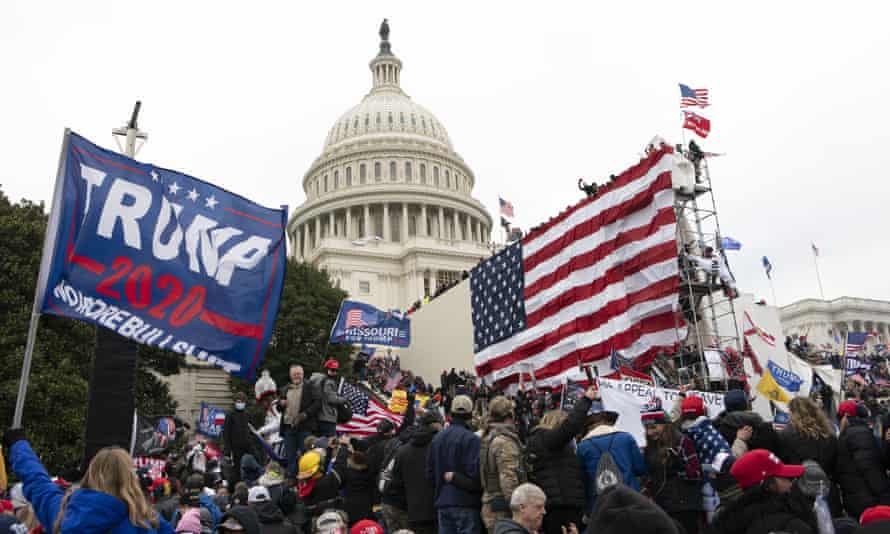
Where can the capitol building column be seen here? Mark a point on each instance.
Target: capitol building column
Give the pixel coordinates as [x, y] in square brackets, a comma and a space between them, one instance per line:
[387, 235]
[367, 228]
[424, 223]
[317, 232]
[441, 229]
[349, 232]
[404, 226]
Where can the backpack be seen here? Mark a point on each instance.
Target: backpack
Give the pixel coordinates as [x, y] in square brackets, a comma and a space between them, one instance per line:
[389, 464]
[344, 413]
[607, 472]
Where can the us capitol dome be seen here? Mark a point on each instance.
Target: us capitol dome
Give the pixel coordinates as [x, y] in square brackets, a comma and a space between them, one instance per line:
[389, 211]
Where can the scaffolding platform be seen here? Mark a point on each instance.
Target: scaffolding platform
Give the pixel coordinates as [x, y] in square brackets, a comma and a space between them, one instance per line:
[705, 300]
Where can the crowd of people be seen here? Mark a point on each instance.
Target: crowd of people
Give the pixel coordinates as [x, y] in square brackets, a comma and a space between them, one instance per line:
[473, 460]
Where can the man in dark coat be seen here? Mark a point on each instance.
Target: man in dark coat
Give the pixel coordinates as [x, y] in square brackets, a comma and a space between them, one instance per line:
[408, 476]
[452, 468]
[739, 415]
[237, 438]
[382, 447]
[554, 467]
[300, 404]
[859, 470]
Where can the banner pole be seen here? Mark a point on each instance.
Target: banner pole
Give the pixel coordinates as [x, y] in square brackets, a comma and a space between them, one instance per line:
[49, 243]
[818, 276]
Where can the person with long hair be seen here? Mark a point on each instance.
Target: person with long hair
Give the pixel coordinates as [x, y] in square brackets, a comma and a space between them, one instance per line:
[674, 474]
[109, 497]
[810, 436]
[553, 465]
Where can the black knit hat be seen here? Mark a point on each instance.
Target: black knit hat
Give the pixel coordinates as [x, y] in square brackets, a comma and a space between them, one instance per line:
[620, 510]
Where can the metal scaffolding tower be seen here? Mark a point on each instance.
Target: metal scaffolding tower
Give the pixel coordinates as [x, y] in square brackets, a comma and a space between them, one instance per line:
[706, 301]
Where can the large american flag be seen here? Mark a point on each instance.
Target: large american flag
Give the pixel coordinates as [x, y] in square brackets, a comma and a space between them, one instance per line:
[367, 411]
[693, 97]
[601, 276]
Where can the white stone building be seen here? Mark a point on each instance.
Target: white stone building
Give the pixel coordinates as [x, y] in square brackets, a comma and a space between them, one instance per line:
[389, 211]
[822, 320]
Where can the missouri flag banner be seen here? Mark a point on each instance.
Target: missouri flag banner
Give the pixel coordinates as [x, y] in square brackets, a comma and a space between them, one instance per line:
[162, 258]
[771, 389]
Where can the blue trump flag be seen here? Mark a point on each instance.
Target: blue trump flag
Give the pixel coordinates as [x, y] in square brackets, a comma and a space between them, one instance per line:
[162, 258]
[358, 322]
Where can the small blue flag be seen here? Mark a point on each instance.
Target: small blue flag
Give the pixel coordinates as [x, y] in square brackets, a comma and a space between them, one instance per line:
[768, 267]
[728, 243]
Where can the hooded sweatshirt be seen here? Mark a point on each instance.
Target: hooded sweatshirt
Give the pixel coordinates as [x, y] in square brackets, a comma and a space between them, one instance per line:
[621, 446]
[87, 511]
[190, 522]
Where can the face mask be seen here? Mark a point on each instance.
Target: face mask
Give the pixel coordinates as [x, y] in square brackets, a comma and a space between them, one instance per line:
[240, 406]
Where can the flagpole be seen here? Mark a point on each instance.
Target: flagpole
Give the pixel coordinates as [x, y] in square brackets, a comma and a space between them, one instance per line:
[49, 244]
[773, 289]
[818, 276]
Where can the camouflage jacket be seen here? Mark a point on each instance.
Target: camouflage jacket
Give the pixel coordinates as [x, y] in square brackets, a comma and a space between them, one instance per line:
[501, 465]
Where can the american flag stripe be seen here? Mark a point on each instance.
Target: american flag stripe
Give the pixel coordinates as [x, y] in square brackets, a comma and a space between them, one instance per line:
[354, 318]
[366, 425]
[601, 276]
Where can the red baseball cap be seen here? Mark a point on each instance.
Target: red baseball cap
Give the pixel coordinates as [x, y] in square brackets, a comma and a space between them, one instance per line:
[366, 526]
[693, 405]
[875, 514]
[848, 407]
[760, 464]
[332, 364]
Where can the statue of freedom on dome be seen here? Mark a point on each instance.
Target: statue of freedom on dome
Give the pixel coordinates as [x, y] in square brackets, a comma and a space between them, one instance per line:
[384, 30]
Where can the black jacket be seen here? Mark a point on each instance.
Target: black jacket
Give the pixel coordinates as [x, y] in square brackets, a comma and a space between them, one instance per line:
[667, 480]
[409, 478]
[379, 444]
[763, 437]
[247, 517]
[795, 448]
[236, 433]
[310, 405]
[759, 512]
[553, 464]
[271, 519]
[859, 471]
[358, 486]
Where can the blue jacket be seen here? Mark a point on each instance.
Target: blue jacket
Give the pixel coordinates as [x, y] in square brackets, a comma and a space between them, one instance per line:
[624, 450]
[455, 449]
[87, 512]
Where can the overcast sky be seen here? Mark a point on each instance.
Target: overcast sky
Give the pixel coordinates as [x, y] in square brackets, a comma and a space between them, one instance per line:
[242, 94]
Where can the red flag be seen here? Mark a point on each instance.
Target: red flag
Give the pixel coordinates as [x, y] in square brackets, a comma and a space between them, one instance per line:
[698, 124]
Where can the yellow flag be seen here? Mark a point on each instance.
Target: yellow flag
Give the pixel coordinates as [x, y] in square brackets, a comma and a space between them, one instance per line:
[398, 403]
[770, 389]
[4, 482]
